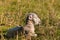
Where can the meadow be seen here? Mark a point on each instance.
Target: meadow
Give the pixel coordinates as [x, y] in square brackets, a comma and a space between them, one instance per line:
[13, 12]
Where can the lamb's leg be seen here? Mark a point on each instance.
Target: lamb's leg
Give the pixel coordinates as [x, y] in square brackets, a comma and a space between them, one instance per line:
[28, 37]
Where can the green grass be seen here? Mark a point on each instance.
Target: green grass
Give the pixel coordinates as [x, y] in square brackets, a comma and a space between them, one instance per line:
[14, 12]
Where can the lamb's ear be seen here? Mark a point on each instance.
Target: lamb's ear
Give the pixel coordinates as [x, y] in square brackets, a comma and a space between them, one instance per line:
[30, 17]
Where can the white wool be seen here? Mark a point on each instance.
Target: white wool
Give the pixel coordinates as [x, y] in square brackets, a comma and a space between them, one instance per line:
[33, 19]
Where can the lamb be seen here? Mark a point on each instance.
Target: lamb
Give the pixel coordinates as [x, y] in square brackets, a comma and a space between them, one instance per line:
[28, 30]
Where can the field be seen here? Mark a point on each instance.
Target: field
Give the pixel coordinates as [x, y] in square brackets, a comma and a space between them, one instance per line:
[13, 13]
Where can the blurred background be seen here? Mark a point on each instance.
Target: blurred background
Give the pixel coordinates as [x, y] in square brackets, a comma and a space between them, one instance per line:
[13, 12]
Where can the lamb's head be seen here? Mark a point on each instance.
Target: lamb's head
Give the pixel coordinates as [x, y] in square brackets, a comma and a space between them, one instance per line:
[33, 17]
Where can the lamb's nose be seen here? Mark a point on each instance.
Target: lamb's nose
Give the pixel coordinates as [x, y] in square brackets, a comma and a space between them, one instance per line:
[39, 23]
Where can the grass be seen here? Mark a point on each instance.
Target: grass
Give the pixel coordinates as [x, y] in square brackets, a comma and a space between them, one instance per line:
[13, 12]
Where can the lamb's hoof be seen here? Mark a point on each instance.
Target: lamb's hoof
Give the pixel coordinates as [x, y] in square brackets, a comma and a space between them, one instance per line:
[35, 35]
